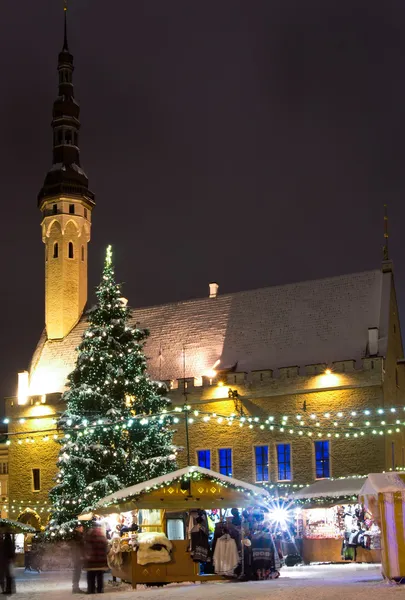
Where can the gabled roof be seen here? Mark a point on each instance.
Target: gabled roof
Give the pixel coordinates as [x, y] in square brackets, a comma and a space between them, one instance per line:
[311, 322]
[331, 488]
[145, 486]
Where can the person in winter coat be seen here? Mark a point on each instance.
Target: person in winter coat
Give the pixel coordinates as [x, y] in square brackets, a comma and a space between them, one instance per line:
[7, 558]
[95, 561]
[77, 558]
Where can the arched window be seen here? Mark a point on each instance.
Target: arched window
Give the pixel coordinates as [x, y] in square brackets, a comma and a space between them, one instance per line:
[68, 136]
[55, 250]
[70, 250]
[83, 253]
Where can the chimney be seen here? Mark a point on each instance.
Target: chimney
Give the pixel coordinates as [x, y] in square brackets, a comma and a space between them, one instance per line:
[373, 341]
[213, 290]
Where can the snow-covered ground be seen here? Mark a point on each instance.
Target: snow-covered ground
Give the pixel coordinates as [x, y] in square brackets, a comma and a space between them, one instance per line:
[324, 582]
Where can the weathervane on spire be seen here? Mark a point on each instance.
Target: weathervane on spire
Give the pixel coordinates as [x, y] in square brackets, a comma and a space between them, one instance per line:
[385, 247]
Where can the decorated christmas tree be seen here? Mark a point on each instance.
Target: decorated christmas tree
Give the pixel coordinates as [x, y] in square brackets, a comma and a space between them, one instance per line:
[115, 428]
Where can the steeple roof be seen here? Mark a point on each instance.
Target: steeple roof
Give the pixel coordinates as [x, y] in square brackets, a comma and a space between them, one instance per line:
[65, 177]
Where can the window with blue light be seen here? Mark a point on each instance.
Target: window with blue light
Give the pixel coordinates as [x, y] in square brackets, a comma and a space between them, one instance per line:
[262, 463]
[322, 460]
[204, 458]
[284, 462]
[225, 461]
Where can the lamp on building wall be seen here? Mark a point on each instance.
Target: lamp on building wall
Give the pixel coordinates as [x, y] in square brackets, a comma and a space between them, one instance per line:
[23, 386]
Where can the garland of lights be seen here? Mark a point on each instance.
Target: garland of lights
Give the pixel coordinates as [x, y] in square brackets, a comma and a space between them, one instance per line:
[256, 420]
[340, 429]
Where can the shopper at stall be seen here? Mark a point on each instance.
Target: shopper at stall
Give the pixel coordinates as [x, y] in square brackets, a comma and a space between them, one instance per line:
[77, 558]
[95, 562]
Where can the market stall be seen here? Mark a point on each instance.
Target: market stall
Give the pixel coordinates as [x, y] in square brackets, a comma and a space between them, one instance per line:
[176, 528]
[384, 496]
[333, 526]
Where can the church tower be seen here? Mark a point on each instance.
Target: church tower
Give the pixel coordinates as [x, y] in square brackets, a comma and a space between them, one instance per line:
[66, 204]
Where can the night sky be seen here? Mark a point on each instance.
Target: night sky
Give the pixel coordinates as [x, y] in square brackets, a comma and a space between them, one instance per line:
[251, 143]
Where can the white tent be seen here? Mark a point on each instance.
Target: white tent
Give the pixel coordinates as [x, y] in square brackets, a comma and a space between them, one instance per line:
[377, 483]
[332, 488]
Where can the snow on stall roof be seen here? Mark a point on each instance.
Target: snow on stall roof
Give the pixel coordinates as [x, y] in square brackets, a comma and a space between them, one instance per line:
[380, 483]
[332, 488]
[137, 489]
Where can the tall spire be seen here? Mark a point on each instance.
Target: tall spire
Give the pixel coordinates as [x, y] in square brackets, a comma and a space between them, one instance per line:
[385, 247]
[66, 177]
[65, 40]
[387, 266]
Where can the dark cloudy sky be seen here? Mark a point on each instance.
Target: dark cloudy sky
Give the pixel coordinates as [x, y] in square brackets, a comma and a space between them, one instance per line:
[252, 142]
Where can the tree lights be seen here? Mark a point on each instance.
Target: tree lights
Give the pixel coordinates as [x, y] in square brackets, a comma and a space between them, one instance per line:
[105, 446]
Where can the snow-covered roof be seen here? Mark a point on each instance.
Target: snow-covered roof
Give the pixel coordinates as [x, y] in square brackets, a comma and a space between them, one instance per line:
[304, 323]
[379, 483]
[145, 486]
[332, 488]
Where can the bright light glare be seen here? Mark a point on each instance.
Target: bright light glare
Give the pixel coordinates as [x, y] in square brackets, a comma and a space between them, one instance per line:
[279, 515]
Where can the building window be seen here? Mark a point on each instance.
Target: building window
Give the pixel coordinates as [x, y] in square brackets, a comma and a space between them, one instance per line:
[82, 253]
[225, 461]
[322, 460]
[262, 463]
[60, 136]
[71, 209]
[55, 209]
[36, 480]
[4, 468]
[55, 250]
[70, 250]
[204, 458]
[284, 462]
[85, 213]
[75, 137]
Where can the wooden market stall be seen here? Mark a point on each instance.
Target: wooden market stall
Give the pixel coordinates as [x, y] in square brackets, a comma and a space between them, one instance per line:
[333, 526]
[155, 505]
[384, 495]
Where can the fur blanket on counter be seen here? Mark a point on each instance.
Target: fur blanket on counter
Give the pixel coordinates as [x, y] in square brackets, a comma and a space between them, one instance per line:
[153, 547]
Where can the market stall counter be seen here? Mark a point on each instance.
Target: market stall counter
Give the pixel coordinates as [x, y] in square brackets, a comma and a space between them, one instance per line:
[333, 526]
[187, 526]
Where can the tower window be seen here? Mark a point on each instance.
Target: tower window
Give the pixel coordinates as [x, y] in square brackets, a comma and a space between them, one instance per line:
[85, 213]
[71, 209]
[75, 137]
[60, 137]
[55, 250]
[55, 209]
[36, 480]
[82, 253]
[70, 250]
[68, 137]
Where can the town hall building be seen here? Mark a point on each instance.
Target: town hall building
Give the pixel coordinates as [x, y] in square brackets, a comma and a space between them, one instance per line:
[280, 386]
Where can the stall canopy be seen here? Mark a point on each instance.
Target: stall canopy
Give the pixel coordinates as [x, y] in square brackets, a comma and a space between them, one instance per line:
[382, 483]
[332, 488]
[185, 489]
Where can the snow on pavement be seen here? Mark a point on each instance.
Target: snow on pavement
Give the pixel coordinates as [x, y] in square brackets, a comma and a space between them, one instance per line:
[324, 582]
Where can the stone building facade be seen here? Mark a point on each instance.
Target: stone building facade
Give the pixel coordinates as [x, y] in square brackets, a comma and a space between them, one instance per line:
[280, 385]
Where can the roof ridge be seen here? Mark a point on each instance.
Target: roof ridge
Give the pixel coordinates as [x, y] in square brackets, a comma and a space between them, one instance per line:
[255, 289]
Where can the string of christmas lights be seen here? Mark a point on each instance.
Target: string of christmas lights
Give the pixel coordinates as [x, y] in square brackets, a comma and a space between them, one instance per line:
[329, 429]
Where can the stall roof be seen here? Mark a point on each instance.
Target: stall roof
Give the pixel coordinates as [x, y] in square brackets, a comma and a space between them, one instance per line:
[332, 488]
[146, 486]
[379, 483]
